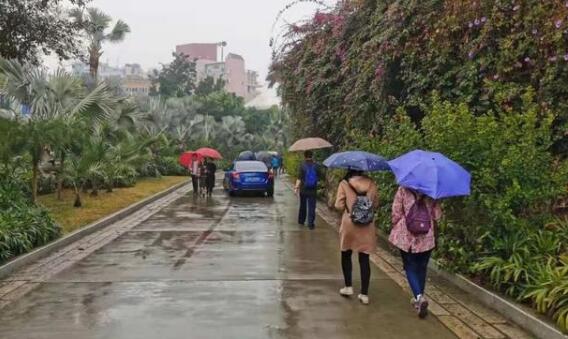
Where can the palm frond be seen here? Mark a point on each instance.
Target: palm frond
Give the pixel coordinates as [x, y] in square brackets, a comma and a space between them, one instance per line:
[118, 32]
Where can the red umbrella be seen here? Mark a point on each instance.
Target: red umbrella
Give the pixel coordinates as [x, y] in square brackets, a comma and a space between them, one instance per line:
[209, 153]
[187, 158]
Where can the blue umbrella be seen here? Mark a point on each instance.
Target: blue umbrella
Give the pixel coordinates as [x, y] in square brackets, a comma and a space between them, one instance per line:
[432, 174]
[357, 160]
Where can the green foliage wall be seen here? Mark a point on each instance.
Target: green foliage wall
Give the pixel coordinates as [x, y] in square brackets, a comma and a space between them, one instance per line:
[356, 65]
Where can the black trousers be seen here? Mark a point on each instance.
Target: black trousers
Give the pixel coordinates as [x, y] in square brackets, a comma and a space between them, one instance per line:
[195, 183]
[347, 267]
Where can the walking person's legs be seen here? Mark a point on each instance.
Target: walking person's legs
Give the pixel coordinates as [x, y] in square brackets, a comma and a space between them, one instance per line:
[347, 268]
[415, 265]
[311, 202]
[410, 267]
[423, 259]
[365, 272]
[194, 183]
[303, 209]
[365, 277]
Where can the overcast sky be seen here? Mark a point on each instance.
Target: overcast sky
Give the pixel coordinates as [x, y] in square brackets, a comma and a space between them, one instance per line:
[159, 25]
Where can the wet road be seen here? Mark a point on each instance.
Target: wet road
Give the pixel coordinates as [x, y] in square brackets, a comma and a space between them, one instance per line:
[223, 268]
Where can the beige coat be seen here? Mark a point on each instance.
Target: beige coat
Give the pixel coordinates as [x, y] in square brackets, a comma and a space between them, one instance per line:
[355, 237]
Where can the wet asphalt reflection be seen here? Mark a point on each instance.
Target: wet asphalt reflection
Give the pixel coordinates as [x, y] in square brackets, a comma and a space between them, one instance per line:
[215, 268]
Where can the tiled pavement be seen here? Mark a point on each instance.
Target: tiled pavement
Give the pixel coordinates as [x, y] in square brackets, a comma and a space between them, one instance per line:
[28, 278]
[457, 310]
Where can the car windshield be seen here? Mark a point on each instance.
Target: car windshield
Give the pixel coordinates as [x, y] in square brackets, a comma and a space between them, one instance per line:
[250, 166]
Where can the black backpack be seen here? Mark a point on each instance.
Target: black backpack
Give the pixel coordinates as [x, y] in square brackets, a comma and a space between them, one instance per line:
[362, 212]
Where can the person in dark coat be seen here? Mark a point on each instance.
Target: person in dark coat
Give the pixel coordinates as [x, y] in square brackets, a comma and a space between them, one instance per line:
[210, 169]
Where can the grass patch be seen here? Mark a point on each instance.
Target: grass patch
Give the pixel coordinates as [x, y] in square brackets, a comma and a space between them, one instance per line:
[94, 208]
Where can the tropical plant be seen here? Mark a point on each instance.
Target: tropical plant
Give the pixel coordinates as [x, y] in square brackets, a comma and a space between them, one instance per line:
[49, 103]
[23, 226]
[96, 24]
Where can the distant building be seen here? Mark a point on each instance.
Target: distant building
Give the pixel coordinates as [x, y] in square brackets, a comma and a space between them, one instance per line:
[131, 77]
[207, 51]
[135, 86]
[235, 75]
[215, 70]
[252, 85]
[232, 70]
[105, 70]
[130, 70]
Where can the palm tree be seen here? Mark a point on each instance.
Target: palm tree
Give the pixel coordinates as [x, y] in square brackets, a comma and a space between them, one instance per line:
[95, 23]
[47, 105]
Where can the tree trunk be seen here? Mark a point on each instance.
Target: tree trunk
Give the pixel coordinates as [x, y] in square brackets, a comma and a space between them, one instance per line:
[35, 175]
[95, 189]
[94, 56]
[78, 202]
[60, 177]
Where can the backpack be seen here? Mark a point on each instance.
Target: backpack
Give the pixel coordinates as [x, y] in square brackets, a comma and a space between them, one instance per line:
[310, 176]
[418, 219]
[362, 212]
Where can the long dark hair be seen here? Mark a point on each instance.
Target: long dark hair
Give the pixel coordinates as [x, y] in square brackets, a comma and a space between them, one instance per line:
[353, 173]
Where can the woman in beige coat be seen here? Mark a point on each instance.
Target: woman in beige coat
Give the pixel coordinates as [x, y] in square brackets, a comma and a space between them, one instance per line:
[358, 238]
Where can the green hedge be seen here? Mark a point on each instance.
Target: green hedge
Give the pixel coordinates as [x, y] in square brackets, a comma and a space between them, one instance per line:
[23, 226]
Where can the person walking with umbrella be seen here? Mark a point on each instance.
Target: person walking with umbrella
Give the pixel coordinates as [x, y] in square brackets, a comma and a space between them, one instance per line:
[309, 175]
[357, 198]
[424, 178]
[306, 187]
[210, 169]
[195, 173]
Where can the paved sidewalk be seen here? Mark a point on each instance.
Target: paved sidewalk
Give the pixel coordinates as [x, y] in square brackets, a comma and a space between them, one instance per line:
[456, 309]
[195, 268]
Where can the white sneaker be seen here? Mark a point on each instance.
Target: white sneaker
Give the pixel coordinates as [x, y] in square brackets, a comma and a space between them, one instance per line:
[346, 291]
[364, 299]
[422, 307]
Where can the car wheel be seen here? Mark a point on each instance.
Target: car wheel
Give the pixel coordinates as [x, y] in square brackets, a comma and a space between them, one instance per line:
[270, 193]
[231, 193]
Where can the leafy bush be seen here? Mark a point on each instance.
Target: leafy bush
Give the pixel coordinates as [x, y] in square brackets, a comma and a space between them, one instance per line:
[170, 166]
[23, 226]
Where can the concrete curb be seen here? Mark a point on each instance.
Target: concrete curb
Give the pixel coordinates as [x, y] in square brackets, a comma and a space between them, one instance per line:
[509, 310]
[42, 252]
[516, 314]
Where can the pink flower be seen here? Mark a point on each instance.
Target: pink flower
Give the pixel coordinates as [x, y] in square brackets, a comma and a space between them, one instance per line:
[516, 8]
[477, 22]
[552, 58]
[483, 19]
[470, 24]
[379, 72]
[566, 57]
[496, 77]
[470, 55]
[527, 59]
[558, 23]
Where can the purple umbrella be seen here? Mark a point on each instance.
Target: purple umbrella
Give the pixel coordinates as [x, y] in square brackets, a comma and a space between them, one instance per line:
[432, 174]
[357, 160]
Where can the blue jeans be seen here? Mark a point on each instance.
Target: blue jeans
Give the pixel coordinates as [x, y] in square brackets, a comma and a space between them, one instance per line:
[307, 209]
[416, 265]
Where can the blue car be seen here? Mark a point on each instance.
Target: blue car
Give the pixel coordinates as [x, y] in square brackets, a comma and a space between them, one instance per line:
[249, 176]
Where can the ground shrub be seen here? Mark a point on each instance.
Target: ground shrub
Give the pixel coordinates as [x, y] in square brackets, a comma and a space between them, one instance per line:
[23, 226]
